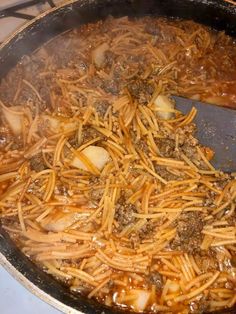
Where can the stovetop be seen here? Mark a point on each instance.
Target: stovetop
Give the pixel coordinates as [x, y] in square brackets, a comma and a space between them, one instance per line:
[14, 298]
[14, 13]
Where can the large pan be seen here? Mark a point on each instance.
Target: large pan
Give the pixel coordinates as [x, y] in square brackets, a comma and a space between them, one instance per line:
[218, 14]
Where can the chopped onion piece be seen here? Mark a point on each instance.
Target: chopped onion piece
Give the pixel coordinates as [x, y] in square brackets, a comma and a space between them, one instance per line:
[59, 222]
[98, 54]
[165, 107]
[174, 287]
[140, 303]
[98, 156]
[57, 124]
[54, 123]
[14, 118]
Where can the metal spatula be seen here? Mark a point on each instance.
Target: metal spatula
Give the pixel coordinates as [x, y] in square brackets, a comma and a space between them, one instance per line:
[216, 128]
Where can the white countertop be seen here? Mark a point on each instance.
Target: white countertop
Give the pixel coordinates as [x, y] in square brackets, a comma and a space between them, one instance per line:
[9, 24]
[15, 299]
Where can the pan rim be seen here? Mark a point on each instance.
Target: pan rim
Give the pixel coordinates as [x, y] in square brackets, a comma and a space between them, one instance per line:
[27, 24]
[32, 288]
[12, 36]
[4, 262]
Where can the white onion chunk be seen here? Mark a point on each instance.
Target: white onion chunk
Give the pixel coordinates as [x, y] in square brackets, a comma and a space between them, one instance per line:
[14, 118]
[165, 107]
[140, 303]
[97, 155]
[98, 54]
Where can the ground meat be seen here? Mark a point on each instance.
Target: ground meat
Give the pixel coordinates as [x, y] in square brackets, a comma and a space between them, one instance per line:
[155, 278]
[74, 142]
[94, 180]
[141, 90]
[199, 306]
[189, 237]
[206, 260]
[61, 190]
[147, 230]
[112, 86]
[189, 150]
[34, 65]
[186, 134]
[126, 67]
[222, 181]
[96, 81]
[210, 199]
[123, 213]
[109, 58]
[188, 145]
[89, 133]
[164, 173]
[166, 147]
[96, 195]
[7, 137]
[37, 163]
[142, 145]
[17, 143]
[101, 107]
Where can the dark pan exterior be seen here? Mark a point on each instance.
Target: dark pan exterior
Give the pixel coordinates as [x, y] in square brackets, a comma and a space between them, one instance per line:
[215, 13]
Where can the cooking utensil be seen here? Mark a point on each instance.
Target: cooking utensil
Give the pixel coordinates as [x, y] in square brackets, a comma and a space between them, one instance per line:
[216, 128]
[216, 13]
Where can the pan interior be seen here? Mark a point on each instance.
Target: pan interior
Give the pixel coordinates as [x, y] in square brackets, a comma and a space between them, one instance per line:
[217, 14]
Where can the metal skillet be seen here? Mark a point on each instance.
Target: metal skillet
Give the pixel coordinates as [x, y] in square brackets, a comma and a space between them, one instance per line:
[217, 14]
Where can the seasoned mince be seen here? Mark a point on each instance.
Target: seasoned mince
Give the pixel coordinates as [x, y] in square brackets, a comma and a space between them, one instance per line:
[141, 90]
[189, 232]
[124, 212]
[200, 306]
[102, 107]
[89, 133]
[165, 173]
[103, 184]
[37, 163]
[206, 260]
[166, 147]
[156, 279]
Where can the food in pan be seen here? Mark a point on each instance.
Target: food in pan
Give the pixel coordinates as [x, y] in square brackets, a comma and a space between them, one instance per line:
[103, 182]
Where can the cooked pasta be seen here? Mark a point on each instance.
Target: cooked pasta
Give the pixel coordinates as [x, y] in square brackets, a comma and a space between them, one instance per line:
[103, 182]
